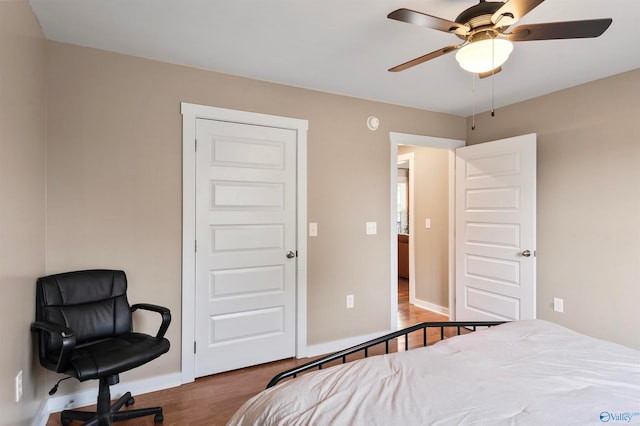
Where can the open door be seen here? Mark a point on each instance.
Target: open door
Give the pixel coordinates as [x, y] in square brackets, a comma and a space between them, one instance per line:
[496, 230]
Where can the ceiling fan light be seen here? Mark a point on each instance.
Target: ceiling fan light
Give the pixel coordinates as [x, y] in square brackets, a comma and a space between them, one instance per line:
[484, 55]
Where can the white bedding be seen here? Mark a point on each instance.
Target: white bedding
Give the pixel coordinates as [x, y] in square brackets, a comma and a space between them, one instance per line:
[525, 373]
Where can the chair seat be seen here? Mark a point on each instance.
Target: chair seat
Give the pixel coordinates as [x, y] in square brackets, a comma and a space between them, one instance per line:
[115, 355]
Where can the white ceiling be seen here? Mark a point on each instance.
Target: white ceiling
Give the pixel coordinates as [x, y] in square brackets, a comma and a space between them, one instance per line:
[346, 46]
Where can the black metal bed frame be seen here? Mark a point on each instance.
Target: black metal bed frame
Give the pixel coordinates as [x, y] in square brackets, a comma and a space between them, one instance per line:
[364, 347]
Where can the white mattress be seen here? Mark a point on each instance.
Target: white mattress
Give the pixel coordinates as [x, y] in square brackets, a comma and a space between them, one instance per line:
[521, 373]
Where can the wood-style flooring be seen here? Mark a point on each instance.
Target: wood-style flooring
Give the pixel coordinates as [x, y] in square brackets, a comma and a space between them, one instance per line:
[212, 400]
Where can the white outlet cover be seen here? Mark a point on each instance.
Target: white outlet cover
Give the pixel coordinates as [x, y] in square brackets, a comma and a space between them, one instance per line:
[313, 229]
[372, 228]
[558, 304]
[19, 386]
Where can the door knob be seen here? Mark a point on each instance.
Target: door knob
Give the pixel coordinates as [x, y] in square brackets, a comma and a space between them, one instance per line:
[291, 254]
[526, 253]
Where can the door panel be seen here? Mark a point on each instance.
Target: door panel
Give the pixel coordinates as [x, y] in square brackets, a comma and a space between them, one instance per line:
[495, 224]
[245, 224]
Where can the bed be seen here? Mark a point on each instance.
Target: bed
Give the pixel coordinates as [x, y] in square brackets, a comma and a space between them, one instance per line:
[526, 372]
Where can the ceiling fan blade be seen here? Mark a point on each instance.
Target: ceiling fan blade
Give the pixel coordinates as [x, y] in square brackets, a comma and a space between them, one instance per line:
[424, 20]
[490, 73]
[512, 11]
[424, 58]
[560, 30]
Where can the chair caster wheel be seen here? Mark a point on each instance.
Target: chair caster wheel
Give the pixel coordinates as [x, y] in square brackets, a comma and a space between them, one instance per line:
[130, 402]
[158, 418]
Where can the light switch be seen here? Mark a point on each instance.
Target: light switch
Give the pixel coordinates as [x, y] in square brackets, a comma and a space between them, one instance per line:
[427, 223]
[350, 301]
[371, 228]
[313, 229]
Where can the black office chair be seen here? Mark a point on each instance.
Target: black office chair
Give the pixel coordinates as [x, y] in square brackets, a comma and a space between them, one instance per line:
[84, 327]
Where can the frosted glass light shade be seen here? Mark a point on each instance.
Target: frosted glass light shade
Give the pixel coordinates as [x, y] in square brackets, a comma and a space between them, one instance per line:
[484, 55]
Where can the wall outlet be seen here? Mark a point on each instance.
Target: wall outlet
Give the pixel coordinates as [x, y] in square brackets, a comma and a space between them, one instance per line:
[19, 386]
[350, 301]
[558, 304]
[313, 229]
[427, 223]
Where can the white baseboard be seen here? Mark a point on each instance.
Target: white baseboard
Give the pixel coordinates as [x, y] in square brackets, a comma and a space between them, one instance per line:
[84, 398]
[431, 307]
[42, 415]
[338, 345]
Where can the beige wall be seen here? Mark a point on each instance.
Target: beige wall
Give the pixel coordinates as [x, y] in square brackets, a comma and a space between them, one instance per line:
[114, 181]
[588, 210]
[22, 198]
[431, 200]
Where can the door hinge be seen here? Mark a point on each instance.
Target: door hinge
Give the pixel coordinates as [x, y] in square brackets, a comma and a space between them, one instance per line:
[196, 145]
[195, 246]
[194, 347]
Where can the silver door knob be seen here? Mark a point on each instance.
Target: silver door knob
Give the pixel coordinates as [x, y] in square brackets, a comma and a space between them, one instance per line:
[291, 254]
[526, 253]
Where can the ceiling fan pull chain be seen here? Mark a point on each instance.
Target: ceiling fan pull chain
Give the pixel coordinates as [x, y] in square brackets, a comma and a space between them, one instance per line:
[493, 96]
[493, 77]
[473, 85]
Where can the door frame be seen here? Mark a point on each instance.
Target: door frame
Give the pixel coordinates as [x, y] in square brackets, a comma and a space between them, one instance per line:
[190, 114]
[395, 140]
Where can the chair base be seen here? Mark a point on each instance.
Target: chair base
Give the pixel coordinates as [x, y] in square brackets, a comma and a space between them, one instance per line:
[106, 413]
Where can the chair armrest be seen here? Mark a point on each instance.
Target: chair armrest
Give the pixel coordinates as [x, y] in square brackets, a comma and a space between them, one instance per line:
[65, 334]
[164, 312]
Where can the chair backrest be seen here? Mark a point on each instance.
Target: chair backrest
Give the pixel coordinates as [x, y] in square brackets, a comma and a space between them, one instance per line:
[93, 303]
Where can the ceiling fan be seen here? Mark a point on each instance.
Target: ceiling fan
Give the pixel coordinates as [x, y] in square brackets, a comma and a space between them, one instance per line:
[483, 28]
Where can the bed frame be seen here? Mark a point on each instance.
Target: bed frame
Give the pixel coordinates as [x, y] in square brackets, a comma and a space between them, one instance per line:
[459, 327]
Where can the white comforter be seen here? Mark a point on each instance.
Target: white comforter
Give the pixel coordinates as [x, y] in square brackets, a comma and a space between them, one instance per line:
[526, 373]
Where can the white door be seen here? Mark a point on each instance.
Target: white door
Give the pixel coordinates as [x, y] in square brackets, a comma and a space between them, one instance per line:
[245, 255]
[496, 230]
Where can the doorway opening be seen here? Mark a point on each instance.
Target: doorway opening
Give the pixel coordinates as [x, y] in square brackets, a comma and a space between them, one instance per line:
[430, 226]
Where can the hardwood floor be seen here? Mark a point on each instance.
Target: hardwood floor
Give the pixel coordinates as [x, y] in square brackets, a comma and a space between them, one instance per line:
[410, 314]
[212, 400]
